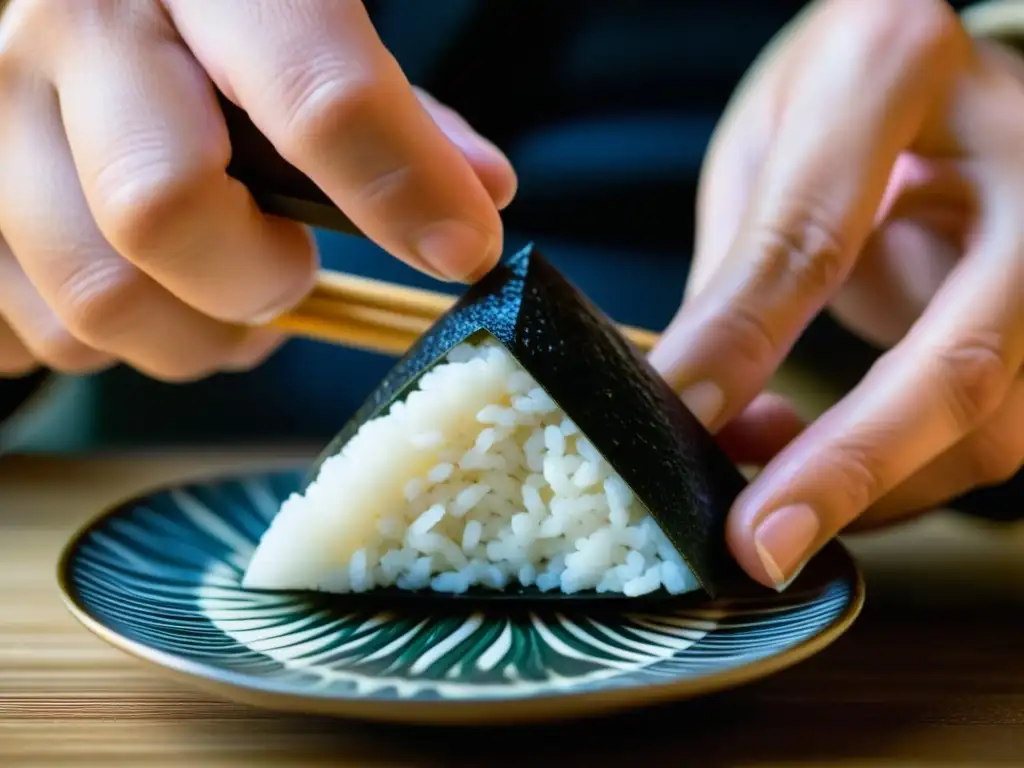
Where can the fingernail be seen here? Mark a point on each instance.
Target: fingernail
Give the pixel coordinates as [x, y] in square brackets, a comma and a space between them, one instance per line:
[455, 250]
[785, 542]
[705, 401]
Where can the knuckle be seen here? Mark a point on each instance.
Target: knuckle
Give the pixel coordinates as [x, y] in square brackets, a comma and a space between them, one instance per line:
[975, 378]
[103, 299]
[142, 209]
[386, 185]
[995, 455]
[321, 101]
[857, 467]
[46, 18]
[801, 249]
[745, 332]
[31, 29]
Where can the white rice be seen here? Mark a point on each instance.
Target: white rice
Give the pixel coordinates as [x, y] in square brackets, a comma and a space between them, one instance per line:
[476, 479]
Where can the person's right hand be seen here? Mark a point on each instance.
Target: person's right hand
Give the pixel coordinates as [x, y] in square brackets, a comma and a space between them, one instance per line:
[123, 239]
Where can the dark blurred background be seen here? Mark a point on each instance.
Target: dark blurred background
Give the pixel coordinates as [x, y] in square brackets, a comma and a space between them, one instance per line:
[605, 108]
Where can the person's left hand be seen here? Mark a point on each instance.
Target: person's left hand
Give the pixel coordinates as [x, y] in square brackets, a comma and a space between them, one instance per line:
[873, 165]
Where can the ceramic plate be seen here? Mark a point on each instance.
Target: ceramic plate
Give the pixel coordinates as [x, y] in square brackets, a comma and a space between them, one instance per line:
[159, 577]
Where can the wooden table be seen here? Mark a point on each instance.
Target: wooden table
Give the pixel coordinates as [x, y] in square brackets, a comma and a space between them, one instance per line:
[932, 673]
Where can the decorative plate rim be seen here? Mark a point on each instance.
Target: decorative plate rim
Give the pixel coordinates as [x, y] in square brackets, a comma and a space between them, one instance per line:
[253, 691]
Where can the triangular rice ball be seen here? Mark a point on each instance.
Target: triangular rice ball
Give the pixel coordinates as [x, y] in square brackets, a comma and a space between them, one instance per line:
[522, 442]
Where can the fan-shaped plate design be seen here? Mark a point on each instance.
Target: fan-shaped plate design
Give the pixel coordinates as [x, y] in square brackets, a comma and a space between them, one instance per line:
[159, 577]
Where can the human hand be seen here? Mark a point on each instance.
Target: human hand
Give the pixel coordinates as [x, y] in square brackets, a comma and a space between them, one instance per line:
[123, 239]
[873, 164]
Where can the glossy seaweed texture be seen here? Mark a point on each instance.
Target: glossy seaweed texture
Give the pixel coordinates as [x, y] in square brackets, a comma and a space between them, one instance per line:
[602, 382]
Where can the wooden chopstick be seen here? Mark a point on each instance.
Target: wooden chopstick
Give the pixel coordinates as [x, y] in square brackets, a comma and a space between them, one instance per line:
[382, 317]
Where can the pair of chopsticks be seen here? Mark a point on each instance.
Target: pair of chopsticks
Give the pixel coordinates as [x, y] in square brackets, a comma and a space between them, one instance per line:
[381, 317]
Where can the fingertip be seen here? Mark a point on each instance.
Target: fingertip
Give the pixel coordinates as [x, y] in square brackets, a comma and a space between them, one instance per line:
[739, 538]
[294, 257]
[498, 178]
[254, 349]
[494, 170]
[774, 545]
[491, 165]
[458, 250]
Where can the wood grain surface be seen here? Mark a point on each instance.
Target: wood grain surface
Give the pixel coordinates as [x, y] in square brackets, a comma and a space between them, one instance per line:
[932, 673]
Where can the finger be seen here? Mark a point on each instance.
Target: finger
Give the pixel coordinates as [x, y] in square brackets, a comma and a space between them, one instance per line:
[491, 165]
[15, 359]
[726, 184]
[317, 81]
[151, 149]
[76, 292]
[918, 240]
[758, 434]
[735, 153]
[813, 205]
[989, 456]
[37, 332]
[946, 378]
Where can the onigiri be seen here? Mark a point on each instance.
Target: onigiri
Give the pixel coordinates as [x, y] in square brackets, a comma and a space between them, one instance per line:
[476, 479]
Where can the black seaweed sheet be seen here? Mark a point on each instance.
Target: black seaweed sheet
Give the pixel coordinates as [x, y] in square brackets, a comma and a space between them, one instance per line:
[608, 389]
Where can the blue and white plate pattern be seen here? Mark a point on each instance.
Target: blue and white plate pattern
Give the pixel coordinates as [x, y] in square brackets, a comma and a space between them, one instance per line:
[159, 577]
